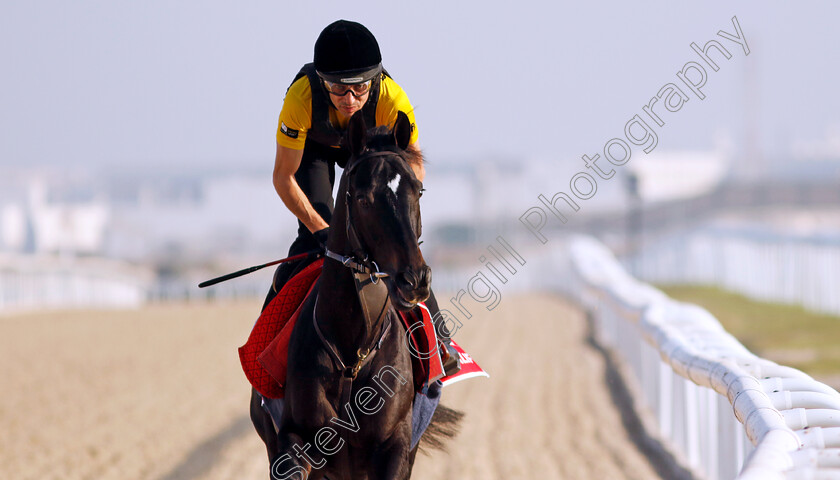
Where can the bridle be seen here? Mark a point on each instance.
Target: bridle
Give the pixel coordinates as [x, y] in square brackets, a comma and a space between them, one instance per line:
[350, 262]
[359, 261]
[372, 293]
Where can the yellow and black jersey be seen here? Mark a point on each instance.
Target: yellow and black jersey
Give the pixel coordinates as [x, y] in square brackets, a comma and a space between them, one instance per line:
[296, 116]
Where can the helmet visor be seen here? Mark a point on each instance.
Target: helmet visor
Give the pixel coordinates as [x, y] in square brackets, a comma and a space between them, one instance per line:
[351, 77]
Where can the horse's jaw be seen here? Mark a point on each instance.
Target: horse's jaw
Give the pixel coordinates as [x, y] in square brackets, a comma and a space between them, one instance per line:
[403, 302]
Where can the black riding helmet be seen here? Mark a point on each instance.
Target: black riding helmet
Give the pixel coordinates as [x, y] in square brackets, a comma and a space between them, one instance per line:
[346, 52]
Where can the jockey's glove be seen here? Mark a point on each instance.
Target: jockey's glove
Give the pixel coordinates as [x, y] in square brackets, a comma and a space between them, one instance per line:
[321, 236]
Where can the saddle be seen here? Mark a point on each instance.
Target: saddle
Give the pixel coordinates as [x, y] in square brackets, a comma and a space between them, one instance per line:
[264, 357]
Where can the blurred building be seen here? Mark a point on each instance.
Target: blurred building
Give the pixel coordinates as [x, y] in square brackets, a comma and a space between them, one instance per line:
[673, 175]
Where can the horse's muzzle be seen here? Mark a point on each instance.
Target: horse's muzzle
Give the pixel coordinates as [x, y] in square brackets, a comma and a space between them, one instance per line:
[412, 286]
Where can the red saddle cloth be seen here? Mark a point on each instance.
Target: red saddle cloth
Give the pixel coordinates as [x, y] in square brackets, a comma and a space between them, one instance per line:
[423, 345]
[275, 327]
[264, 356]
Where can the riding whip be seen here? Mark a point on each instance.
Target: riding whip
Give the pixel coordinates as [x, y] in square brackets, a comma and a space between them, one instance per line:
[246, 271]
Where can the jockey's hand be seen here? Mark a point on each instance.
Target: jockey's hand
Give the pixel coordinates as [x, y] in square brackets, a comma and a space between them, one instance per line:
[321, 236]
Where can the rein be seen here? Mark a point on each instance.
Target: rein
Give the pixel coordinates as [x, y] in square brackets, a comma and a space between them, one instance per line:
[357, 267]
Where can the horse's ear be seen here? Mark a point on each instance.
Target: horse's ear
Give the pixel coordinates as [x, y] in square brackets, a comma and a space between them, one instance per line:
[357, 133]
[402, 130]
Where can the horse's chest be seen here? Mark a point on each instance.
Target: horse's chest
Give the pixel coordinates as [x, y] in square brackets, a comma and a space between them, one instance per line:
[366, 410]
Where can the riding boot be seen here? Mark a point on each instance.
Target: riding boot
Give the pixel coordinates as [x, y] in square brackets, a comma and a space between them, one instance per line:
[281, 276]
[449, 356]
[285, 271]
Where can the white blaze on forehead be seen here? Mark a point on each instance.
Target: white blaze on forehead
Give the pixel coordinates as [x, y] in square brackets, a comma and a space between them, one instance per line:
[394, 184]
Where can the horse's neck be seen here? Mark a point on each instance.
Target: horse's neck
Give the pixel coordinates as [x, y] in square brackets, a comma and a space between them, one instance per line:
[338, 309]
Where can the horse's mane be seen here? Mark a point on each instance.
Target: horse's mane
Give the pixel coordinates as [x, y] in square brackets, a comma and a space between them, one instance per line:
[381, 138]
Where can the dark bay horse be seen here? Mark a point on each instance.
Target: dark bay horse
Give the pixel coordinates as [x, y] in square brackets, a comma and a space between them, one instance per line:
[349, 392]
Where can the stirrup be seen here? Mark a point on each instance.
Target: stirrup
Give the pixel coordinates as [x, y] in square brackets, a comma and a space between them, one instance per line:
[451, 359]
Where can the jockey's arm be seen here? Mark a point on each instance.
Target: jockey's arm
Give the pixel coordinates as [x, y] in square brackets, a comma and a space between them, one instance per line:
[286, 162]
[417, 167]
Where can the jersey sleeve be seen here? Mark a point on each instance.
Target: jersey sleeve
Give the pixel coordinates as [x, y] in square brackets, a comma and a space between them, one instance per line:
[392, 99]
[296, 115]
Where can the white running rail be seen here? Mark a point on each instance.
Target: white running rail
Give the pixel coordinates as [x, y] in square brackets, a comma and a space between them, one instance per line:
[37, 282]
[693, 375]
[771, 266]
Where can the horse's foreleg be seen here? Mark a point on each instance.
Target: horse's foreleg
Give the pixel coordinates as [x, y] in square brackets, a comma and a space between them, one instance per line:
[392, 460]
[293, 462]
[264, 425]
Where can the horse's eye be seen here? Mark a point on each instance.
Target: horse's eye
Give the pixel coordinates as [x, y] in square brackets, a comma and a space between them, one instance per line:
[421, 192]
[363, 201]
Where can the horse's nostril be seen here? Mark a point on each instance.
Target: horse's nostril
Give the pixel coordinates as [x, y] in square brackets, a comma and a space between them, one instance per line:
[409, 278]
[415, 278]
[426, 274]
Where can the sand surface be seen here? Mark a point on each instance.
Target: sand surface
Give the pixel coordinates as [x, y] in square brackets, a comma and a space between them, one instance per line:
[158, 394]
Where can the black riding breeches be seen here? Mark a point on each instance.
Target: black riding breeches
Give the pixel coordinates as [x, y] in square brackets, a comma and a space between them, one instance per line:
[316, 177]
[285, 271]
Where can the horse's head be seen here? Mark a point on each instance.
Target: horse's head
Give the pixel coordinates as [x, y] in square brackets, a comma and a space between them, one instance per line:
[381, 195]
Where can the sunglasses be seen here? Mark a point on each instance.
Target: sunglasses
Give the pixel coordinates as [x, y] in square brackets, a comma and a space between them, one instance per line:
[341, 89]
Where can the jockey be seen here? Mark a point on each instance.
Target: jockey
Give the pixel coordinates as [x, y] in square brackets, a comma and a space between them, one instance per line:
[345, 77]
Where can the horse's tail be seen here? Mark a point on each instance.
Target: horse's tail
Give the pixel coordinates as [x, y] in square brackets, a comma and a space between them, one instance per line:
[445, 425]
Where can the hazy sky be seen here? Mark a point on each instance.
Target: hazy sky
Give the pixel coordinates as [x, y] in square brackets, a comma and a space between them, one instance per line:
[185, 83]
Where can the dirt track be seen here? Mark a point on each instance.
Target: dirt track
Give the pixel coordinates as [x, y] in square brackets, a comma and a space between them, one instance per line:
[158, 394]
